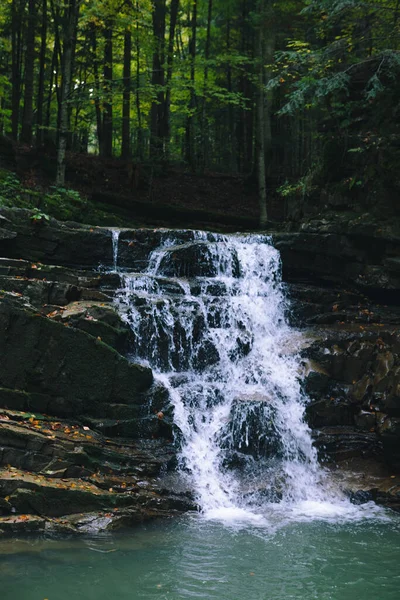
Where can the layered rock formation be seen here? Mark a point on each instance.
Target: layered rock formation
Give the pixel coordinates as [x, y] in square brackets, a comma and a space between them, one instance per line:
[343, 278]
[85, 434]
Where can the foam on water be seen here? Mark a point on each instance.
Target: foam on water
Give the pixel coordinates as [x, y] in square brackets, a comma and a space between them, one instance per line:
[218, 340]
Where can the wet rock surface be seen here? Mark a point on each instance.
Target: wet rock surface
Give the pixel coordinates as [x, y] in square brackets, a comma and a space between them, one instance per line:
[365, 480]
[342, 276]
[359, 253]
[85, 434]
[343, 282]
[354, 386]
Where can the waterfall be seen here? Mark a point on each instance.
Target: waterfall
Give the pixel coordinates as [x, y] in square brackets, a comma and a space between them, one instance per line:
[208, 316]
[115, 238]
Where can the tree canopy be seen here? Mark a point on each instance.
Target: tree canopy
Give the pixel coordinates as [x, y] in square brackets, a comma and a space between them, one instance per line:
[293, 92]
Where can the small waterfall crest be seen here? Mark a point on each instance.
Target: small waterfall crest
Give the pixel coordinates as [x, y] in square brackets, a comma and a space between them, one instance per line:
[115, 237]
[208, 316]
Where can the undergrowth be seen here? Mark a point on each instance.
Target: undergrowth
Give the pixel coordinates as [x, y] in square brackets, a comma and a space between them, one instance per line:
[64, 204]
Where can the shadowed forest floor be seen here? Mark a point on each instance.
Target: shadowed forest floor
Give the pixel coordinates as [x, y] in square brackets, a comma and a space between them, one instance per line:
[139, 190]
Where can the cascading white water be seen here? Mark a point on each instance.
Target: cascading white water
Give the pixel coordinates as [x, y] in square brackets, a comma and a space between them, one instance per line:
[208, 316]
[115, 237]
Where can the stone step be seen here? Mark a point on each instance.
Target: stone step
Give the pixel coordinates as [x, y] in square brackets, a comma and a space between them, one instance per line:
[65, 448]
[342, 443]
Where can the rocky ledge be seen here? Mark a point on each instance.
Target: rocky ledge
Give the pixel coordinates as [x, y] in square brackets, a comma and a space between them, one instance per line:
[342, 276]
[85, 434]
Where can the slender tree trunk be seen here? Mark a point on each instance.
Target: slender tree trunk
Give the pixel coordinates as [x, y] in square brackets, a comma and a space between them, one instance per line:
[157, 80]
[99, 123]
[16, 33]
[55, 11]
[245, 129]
[166, 130]
[231, 115]
[190, 145]
[70, 21]
[268, 50]
[107, 105]
[50, 88]
[126, 99]
[27, 116]
[204, 129]
[137, 94]
[2, 107]
[179, 44]
[70, 107]
[260, 133]
[42, 63]
[395, 19]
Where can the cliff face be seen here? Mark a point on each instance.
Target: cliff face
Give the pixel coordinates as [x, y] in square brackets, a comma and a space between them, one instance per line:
[343, 277]
[84, 430]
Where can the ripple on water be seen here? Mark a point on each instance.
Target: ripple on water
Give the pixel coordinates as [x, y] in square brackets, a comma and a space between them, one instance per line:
[194, 557]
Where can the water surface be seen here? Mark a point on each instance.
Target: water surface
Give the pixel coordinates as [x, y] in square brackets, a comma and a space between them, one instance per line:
[196, 558]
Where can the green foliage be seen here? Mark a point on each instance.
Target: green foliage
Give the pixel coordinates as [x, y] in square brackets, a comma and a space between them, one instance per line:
[64, 204]
[330, 77]
[9, 186]
[60, 203]
[300, 188]
[39, 216]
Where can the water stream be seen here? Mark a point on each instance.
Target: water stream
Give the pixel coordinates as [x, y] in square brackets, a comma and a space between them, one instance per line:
[193, 558]
[115, 237]
[208, 316]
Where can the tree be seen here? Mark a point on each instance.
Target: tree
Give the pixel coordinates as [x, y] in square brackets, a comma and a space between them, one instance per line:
[26, 131]
[108, 91]
[42, 65]
[157, 79]
[68, 28]
[16, 62]
[126, 110]
[260, 135]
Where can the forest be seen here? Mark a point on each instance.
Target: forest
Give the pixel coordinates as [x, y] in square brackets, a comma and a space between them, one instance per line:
[299, 98]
